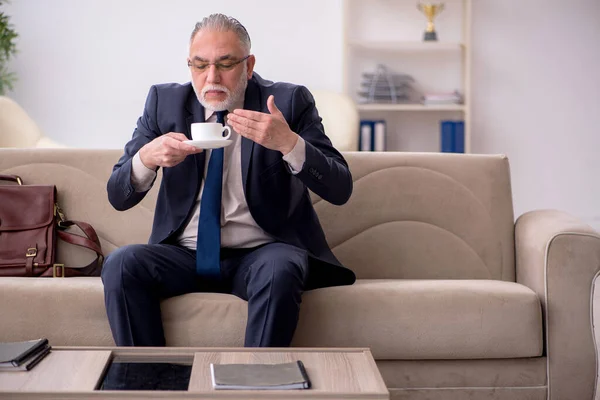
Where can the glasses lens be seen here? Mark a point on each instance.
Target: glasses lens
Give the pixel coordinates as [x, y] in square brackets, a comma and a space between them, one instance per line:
[221, 66]
[226, 66]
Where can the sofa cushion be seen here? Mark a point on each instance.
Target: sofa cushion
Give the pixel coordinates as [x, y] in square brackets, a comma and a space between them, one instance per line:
[425, 319]
[397, 319]
[67, 311]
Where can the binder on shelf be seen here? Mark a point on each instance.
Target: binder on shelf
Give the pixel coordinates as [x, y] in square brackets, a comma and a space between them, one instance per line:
[452, 136]
[366, 136]
[459, 136]
[379, 133]
[447, 136]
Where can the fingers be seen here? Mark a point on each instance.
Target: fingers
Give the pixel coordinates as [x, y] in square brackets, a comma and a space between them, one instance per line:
[238, 120]
[253, 130]
[176, 135]
[258, 116]
[177, 145]
[253, 115]
[249, 130]
[270, 130]
[167, 150]
[171, 161]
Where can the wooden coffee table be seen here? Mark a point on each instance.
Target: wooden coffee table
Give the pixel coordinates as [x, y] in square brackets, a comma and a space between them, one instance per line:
[76, 372]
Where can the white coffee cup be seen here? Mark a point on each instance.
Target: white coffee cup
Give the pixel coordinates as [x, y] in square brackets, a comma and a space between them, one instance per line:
[209, 131]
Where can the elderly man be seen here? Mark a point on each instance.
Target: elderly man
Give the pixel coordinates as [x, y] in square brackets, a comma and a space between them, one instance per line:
[235, 219]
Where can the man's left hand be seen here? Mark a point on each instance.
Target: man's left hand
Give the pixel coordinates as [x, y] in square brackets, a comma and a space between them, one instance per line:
[269, 130]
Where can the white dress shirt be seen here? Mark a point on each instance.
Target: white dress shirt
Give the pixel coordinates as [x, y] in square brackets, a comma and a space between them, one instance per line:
[238, 228]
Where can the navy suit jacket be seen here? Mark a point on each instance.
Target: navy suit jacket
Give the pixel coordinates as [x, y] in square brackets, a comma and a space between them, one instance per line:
[278, 200]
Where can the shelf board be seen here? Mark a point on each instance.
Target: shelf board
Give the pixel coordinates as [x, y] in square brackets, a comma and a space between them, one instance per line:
[399, 46]
[410, 107]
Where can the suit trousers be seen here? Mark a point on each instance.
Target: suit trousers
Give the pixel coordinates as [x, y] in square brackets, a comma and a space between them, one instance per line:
[270, 277]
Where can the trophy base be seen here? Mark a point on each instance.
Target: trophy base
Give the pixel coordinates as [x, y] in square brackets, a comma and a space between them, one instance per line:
[430, 36]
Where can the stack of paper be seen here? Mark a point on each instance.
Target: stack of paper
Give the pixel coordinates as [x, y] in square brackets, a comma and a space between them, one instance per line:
[22, 356]
[442, 98]
[386, 87]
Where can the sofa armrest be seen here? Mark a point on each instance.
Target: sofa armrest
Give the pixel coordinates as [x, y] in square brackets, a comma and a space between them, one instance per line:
[558, 257]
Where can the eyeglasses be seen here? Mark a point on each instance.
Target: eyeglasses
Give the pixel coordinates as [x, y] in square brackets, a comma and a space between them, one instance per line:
[226, 65]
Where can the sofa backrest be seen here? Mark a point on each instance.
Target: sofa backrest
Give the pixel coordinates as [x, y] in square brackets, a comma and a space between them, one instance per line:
[411, 215]
[424, 216]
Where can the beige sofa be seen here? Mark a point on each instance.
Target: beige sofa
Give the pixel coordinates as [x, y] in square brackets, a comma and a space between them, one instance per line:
[455, 300]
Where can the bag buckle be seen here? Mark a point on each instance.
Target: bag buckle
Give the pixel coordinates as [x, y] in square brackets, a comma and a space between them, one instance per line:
[62, 270]
[31, 252]
[61, 216]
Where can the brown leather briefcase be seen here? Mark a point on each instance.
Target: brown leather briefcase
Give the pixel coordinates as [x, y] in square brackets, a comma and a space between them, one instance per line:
[30, 222]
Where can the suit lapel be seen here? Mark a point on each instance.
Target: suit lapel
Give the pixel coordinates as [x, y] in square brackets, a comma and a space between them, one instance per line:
[252, 101]
[196, 114]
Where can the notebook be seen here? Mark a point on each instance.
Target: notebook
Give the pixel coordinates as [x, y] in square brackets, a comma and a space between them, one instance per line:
[260, 376]
[31, 362]
[14, 354]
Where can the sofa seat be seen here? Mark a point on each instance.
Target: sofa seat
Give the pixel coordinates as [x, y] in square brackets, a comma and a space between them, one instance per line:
[397, 319]
[425, 319]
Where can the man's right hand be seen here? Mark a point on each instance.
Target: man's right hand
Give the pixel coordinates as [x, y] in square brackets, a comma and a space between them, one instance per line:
[166, 150]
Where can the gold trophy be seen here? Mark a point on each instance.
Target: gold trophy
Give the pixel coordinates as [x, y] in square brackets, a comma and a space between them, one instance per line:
[431, 11]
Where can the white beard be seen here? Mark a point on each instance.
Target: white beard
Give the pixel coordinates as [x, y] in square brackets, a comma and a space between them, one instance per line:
[231, 97]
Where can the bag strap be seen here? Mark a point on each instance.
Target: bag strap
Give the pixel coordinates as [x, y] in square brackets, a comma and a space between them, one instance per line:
[11, 178]
[91, 242]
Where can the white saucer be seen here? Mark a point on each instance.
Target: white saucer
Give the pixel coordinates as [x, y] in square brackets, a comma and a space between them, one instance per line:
[209, 144]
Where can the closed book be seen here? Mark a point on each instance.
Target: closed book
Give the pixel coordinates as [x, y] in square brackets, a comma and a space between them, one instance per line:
[31, 362]
[379, 136]
[447, 136]
[366, 138]
[459, 136]
[260, 376]
[16, 353]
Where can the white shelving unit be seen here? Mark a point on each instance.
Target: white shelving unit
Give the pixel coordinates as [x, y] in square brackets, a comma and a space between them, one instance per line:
[390, 33]
[405, 46]
[410, 107]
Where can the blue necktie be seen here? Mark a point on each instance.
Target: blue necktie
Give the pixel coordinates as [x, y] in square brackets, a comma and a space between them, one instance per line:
[208, 248]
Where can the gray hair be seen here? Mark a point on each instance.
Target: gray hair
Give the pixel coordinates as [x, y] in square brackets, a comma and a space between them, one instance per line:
[223, 23]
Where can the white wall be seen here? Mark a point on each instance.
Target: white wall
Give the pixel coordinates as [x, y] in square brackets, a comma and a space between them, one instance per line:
[85, 68]
[536, 98]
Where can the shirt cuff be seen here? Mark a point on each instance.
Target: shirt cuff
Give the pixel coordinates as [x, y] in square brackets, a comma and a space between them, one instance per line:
[141, 176]
[295, 158]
